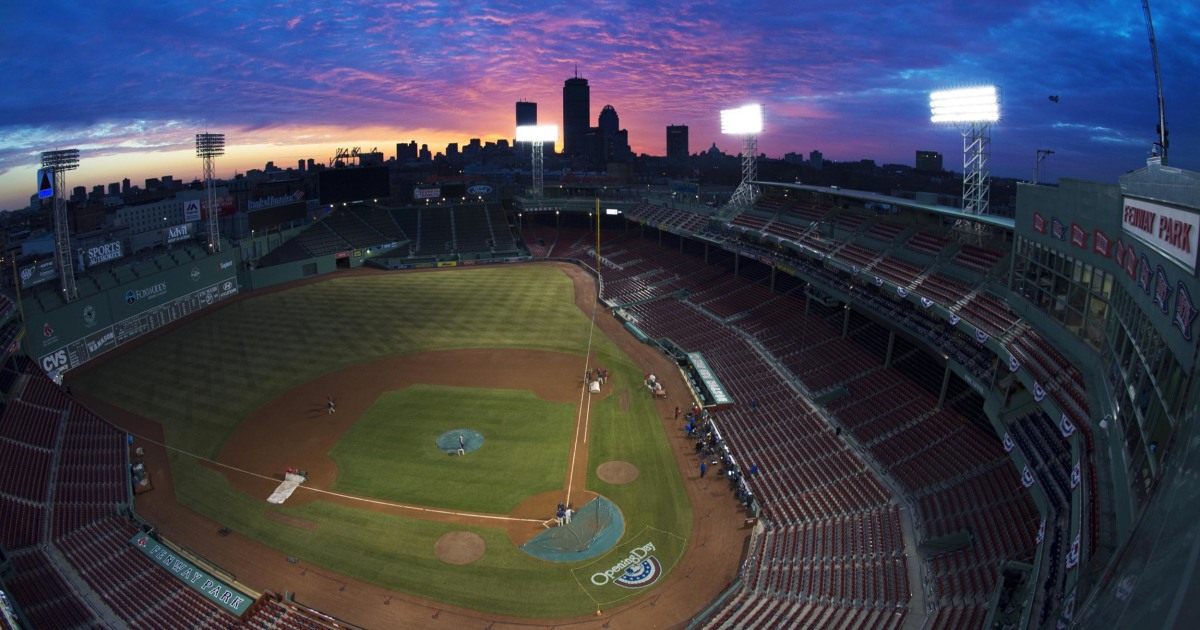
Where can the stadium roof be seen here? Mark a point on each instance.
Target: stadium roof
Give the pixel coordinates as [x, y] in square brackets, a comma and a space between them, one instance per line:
[996, 221]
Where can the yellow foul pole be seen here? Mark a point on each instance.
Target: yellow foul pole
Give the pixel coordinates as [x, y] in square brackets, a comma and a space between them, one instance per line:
[597, 235]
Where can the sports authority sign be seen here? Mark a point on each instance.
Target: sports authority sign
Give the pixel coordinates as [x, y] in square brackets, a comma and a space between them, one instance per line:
[639, 569]
[1172, 231]
[103, 253]
[201, 581]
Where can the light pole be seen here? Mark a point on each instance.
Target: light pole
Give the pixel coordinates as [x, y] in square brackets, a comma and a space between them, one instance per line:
[747, 122]
[972, 111]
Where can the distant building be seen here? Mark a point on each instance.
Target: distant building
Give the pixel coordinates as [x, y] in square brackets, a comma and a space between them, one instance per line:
[677, 142]
[929, 161]
[816, 160]
[406, 152]
[577, 114]
[527, 114]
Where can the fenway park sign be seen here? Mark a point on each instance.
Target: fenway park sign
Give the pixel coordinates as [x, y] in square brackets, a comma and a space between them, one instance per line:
[1172, 231]
[203, 582]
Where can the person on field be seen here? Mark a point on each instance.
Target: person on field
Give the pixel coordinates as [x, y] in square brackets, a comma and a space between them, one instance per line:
[329, 403]
[567, 515]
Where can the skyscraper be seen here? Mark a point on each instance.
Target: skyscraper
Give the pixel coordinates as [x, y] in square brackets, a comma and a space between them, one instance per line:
[577, 114]
[677, 142]
[526, 113]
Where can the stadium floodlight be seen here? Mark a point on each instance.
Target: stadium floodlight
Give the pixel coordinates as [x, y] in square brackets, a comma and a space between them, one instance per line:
[535, 135]
[742, 121]
[209, 146]
[56, 164]
[745, 121]
[975, 104]
[972, 110]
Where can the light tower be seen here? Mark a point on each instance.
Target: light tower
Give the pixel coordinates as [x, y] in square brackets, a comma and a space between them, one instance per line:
[209, 146]
[56, 164]
[972, 111]
[535, 135]
[747, 122]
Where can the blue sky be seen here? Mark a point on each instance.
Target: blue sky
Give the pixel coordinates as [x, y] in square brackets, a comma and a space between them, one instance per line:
[131, 83]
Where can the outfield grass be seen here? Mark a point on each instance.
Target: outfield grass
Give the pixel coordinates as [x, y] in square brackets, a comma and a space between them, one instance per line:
[390, 452]
[202, 379]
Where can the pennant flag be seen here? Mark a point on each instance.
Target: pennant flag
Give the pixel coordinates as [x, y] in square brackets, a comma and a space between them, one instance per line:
[1039, 222]
[1068, 609]
[980, 336]
[1026, 477]
[1008, 443]
[1073, 554]
[1131, 262]
[1076, 474]
[1041, 531]
[1066, 426]
[926, 302]
[1144, 275]
[1078, 236]
[901, 291]
[1038, 392]
[1185, 311]
[1013, 365]
[1120, 254]
[1101, 245]
[1057, 229]
[954, 319]
[1162, 289]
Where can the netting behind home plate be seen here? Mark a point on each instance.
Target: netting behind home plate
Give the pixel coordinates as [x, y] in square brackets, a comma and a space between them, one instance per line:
[593, 530]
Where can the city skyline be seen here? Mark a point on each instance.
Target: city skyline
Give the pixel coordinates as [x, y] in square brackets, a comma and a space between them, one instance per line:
[295, 82]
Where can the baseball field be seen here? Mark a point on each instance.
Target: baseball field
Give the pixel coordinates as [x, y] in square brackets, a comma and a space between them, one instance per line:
[497, 353]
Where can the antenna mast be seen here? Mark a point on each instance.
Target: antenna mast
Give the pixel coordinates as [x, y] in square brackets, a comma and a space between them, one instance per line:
[1162, 116]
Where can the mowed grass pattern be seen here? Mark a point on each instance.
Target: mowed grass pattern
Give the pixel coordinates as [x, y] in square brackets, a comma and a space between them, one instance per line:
[390, 452]
[202, 379]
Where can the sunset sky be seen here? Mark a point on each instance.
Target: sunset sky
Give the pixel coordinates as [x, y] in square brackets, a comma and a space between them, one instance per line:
[130, 83]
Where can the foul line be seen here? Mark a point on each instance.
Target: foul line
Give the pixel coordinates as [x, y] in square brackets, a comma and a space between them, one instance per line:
[585, 409]
[350, 497]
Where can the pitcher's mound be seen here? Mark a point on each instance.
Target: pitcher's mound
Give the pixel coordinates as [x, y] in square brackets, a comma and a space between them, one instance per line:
[617, 472]
[459, 548]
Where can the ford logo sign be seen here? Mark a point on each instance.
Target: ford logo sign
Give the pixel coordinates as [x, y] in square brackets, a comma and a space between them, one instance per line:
[481, 189]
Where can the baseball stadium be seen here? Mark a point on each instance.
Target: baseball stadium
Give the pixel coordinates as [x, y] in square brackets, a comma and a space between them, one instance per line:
[810, 407]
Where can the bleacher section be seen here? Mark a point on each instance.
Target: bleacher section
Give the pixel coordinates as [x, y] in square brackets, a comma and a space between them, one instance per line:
[953, 472]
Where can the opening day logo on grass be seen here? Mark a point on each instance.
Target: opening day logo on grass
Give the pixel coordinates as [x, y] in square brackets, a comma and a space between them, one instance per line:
[637, 570]
[627, 570]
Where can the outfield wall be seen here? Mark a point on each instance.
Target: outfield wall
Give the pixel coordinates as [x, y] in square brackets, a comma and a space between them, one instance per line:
[286, 272]
[68, 336]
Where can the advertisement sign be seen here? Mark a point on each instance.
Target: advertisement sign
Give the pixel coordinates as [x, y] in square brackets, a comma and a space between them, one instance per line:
[277, 200]
[37, 273]
[427, 193]
[178, 233]
[102, 253]
[479, 190]
[191, 210]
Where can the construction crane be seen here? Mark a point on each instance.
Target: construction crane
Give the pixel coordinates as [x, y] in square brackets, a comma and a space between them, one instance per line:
[1162, 115]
